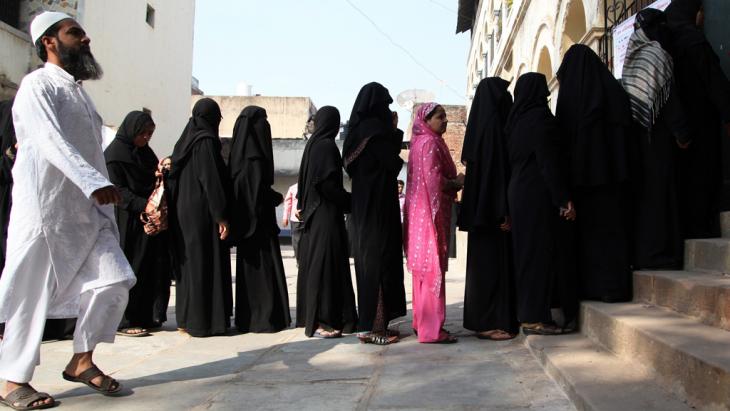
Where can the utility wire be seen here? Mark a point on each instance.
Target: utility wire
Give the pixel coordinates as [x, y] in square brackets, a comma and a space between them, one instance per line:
[408, 53]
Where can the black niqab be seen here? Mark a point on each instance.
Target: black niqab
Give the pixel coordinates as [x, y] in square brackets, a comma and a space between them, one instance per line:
[370, 117]
[531, 93]
[317, 161]
[252, 140]
[203, 124]
[484, 200]
[682, 20]
[593, 109]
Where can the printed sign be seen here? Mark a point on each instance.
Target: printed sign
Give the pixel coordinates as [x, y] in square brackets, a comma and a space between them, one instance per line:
[621, 35]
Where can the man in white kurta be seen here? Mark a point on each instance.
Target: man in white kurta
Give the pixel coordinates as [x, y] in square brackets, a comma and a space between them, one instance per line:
[63, 253]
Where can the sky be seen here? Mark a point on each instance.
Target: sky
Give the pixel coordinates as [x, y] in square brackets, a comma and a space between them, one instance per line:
[328, 49]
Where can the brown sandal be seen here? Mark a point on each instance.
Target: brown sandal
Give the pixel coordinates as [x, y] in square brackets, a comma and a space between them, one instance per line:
[22, 398]
[541, 329]
[109, 386]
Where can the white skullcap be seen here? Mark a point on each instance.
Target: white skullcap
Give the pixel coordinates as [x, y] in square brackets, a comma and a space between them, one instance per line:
[44, 21]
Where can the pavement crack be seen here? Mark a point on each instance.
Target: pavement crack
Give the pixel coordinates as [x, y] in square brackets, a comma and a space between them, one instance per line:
[373, 381]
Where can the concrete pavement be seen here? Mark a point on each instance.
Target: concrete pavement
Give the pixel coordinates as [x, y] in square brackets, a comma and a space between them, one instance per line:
[283, 371]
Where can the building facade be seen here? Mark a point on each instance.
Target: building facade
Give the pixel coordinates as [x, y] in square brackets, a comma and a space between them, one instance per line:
[144, 46]
[512, 37]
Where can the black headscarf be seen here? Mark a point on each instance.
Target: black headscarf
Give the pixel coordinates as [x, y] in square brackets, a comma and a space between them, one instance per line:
[682, 21]
[122, 148]
[203, 124]
[531, 93]
[484, 200]
[593, 109]
[252, 140]
[370, 117]
[7, 142]
[321, 158]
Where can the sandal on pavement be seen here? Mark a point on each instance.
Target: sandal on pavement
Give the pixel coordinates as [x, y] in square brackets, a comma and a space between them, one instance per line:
[495, 335]
[450, 339]
[22, 398]
[109, 386]
[133, 332]
[322, 333]
[541, 329]
[378, 339]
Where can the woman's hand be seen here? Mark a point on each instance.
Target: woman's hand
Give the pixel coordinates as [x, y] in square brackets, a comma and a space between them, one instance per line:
[568, 212]
[506, 225]
[223, 229]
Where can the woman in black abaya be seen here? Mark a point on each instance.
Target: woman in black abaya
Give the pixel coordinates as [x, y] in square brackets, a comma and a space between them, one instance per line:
[262, 300]
[704, 91]
[656, 108]
[593, 113]
[371, 158]
[7, 159]
[489, 300]
[198, 214]
[326, 301]
[132, 165]
[539, 202]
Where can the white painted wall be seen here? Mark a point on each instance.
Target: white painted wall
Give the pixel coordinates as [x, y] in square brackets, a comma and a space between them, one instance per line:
[143, 66]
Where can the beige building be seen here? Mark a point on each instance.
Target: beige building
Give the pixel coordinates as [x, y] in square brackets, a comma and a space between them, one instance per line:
[144, 46]
[512, 37]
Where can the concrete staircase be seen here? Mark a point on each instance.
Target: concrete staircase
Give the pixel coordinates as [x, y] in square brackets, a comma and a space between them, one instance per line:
[669, 349]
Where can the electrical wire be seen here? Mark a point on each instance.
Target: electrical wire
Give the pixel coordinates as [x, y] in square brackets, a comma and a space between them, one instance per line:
[404, 50]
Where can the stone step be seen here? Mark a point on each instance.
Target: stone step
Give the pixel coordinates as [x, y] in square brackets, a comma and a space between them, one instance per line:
[596, 380]
[709, 254]
[688, 357]
[703, 296]
[725, 224]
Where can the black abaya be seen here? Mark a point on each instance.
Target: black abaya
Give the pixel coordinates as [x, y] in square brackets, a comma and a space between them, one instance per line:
[371, 157]
[198, 184]
[704, 91]
[7, 159]
[262, 299]
[538, 187]
[132, 170]
[593, 112]
[489, 300]
[325, 297]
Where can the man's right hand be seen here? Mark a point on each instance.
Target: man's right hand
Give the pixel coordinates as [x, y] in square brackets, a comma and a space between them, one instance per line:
[284, 222]
[107, 195]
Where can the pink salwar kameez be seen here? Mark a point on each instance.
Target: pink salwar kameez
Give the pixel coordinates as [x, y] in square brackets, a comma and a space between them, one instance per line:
[427, 222]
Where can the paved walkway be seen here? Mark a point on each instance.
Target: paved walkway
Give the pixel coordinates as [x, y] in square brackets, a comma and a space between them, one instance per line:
[280, 371]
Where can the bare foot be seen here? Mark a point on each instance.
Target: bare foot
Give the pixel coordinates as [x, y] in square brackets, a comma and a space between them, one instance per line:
[12, 386]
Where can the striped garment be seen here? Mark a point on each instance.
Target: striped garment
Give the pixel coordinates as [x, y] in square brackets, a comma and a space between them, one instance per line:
[647, 77]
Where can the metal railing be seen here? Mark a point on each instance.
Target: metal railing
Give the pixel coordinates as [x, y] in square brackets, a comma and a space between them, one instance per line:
[616, 12]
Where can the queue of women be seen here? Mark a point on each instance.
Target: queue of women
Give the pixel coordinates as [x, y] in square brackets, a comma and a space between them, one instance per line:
[558, 209]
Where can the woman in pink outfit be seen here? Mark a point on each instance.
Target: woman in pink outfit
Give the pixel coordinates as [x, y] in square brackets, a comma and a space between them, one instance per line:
[430, 192]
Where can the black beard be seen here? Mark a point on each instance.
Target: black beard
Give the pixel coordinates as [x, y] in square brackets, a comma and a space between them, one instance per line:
[79, 63]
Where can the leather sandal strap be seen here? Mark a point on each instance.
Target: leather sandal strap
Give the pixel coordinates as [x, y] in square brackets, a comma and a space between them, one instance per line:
[90, 373]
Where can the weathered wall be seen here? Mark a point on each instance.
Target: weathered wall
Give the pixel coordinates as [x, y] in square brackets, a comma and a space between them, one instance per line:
[16, 58]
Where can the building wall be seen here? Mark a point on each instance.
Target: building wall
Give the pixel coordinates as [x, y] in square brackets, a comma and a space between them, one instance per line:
[287, 115]
[16, 57]
[144, 67]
